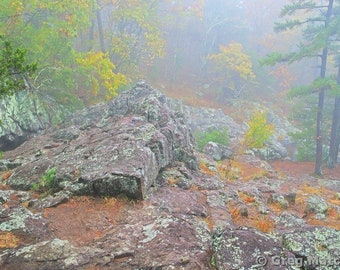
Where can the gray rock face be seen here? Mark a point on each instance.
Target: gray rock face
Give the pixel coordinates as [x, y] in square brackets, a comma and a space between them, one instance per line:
[204, 119]
[24, 115]
[55, 254]
[217, 151]
[319, 247]
[112, 149]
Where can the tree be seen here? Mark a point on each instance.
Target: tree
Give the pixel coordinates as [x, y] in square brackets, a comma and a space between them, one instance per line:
[14, 70]
[134, 36]
[234, 67]
[335, 130]
[223, 22]
[317, 27]
[49, 30]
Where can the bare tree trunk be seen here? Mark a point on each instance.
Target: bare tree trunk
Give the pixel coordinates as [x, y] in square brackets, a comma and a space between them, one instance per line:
[319, 139]
[100, 31]
[334, 142]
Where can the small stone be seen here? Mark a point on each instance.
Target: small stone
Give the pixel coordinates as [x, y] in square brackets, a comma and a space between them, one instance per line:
[320, 216]
[185, 260]
[244, 211]
[337, 196]
[263, 210]
[290, 197]
[316, 204]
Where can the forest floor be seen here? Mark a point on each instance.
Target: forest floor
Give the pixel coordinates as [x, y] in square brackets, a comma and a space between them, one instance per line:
[83, 219]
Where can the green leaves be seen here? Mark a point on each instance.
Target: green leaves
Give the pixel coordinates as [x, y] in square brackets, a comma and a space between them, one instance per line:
[47, 182]
[137, 39]
[13, 68]
[212, 135]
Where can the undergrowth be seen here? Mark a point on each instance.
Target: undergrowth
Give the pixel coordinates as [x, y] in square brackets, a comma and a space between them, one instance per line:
[259, 130]
[47, 182]
[220, 136]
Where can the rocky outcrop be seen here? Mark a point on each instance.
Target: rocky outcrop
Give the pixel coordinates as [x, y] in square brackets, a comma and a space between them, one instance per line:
[317, 248]
[26, 114]
[109, 149]
[205, 119]
[176, 227]
[231, 214]
[279, 146]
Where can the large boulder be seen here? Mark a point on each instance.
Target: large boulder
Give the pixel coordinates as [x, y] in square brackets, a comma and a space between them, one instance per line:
[109, 149]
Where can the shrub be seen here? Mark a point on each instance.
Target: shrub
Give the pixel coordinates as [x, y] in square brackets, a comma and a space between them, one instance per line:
[213, 135]
[47, 181]
[259, 130]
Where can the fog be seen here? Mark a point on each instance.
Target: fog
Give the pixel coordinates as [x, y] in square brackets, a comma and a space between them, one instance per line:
[205, 52]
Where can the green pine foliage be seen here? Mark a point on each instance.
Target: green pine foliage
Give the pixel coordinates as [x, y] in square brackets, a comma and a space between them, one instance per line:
[328, 83]
[13, 68]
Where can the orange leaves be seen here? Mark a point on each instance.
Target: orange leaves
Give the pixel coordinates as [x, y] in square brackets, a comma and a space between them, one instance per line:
[265, 224]
[205, 169]
[191, 8]
[246, 197]
[284, 76]
[6, 175]
[8, 240]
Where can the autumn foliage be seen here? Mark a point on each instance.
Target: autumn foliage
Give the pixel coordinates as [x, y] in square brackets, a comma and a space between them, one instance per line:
[233, 66]
[259, 130]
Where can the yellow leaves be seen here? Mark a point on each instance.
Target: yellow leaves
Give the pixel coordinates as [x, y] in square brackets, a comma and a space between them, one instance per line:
[191, 8]
[17, 6]
[232, 59]
[100, 70]
[120, 46]
[156, 43]
[259, 130]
